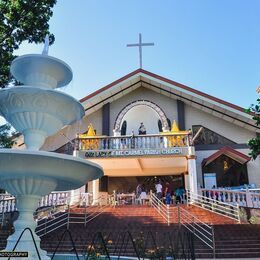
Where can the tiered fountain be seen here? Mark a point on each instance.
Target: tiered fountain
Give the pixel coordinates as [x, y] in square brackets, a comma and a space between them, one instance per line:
[36, 110]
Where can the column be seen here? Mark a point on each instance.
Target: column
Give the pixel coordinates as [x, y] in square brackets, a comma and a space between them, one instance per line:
[95, 189]
[186, 181]
[193, 181]
[181, 114]
[106, 119]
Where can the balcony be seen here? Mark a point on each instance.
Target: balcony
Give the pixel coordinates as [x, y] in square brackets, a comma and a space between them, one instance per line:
[136, 145]
[138, 155]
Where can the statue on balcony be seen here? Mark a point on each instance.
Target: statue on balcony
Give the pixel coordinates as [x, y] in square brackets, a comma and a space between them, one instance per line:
[142, 130]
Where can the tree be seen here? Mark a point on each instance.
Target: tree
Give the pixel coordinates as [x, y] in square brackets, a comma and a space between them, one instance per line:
[254, 143]
[21, 20]
[6, 136]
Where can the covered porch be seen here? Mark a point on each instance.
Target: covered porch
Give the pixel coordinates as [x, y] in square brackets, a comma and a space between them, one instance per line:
[123, 174]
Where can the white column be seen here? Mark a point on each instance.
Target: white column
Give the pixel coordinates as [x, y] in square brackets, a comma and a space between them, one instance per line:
[249, 202]
[193, 181]
[186, 180]
[95, 189]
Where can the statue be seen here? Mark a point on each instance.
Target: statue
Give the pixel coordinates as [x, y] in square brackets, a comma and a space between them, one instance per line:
[142, 129]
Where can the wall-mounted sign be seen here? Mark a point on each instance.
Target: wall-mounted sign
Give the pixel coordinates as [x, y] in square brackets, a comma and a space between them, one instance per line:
[210, 180]
[129, 153]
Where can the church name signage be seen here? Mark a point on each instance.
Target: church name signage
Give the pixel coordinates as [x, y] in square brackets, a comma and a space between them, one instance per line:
[128, 153]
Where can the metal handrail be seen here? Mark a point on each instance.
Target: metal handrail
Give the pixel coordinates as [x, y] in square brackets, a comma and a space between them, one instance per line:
[88, 218]
[162, 209]
[216, 206]
[44, 228]
[200, 229]
[46, 225]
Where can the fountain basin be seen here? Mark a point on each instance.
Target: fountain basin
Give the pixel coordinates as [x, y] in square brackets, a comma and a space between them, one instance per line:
[66, 171]
[29, 175]
[41, 71]
[38, 112]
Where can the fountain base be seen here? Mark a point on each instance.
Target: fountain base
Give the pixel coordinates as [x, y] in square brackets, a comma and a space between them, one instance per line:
[26, 205]
[29, 175]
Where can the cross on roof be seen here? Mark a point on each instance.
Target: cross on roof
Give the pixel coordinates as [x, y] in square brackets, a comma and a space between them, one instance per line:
[140, 45]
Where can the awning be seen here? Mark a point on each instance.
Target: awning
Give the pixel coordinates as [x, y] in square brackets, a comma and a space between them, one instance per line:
[142, 166]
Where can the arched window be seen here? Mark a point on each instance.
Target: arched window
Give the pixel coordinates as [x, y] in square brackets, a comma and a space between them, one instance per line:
[123, 128]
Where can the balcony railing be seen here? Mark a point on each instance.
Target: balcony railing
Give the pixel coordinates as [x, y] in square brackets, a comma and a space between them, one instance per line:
[151, 141]
[246, 198]
[135, 145]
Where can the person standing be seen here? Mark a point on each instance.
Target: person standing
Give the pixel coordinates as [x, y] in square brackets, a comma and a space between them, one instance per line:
[158, 188]
[168, 193]
[138, 190]
[143, 195]
[178, 194]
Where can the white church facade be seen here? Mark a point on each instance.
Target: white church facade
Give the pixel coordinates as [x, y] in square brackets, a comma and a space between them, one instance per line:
[191, 139]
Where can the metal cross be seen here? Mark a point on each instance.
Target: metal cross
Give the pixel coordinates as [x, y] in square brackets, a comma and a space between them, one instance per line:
[140, 45]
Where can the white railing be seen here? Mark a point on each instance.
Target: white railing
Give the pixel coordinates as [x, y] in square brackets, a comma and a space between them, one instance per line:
[55, 198]
[245, 198]
[201, 230]
[162, 209]
[8, 202]
[149, 141]
[216, 206]
[4, 196]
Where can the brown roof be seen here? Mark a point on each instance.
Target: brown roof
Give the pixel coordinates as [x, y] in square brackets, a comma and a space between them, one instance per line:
[230, 152]
[202, 94]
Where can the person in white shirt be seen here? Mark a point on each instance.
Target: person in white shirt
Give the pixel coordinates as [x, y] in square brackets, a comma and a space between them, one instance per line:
[158, 188]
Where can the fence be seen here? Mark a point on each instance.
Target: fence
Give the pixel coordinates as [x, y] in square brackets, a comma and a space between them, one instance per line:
[8, 202]
[246, 198]
[217, 206]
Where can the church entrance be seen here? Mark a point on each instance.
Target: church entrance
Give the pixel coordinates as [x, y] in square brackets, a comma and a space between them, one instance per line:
[129, 184]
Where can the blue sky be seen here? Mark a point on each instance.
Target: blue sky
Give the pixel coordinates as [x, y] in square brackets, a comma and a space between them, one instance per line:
[212, 46]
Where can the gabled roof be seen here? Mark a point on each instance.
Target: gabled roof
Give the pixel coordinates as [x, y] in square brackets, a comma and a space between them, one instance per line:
[190, 96]
[228, 151]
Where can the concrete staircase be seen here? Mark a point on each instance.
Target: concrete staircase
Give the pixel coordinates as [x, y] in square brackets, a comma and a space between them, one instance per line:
[143, 219]
[232, 240]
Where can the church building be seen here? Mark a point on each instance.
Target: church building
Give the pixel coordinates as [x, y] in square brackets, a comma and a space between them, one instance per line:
[144, 128]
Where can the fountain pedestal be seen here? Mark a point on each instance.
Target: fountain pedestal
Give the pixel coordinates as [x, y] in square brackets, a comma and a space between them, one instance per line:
[26, 205]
